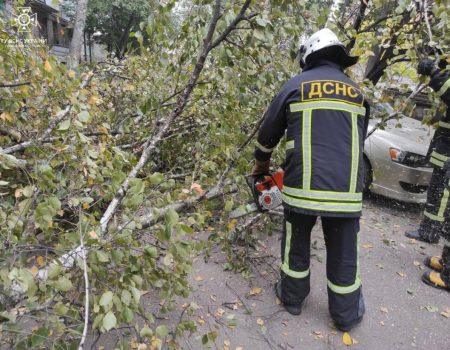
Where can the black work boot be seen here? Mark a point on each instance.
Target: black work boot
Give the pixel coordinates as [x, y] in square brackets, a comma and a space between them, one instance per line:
[416, 235]
[293, 309]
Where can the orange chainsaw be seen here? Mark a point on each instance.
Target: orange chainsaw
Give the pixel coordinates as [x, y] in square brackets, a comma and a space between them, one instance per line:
[266, 190]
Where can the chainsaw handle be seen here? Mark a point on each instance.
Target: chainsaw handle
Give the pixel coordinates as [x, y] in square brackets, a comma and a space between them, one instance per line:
[251, 182]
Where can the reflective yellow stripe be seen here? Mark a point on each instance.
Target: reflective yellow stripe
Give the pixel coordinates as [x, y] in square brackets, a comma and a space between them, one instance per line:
[437, 162]
[327, 104]
[306, 143]
[264, 149]
[355, 286]
[294, 274]
[323, 195]
[322, 206]
[439, 156]
[433, 217]
[355, 154]
[444, 88]
[444, 125]
[444, 202]
[287, 246]
[290, 145]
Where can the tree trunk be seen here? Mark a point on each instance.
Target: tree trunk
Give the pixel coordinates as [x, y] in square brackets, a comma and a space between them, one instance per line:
[78, 30]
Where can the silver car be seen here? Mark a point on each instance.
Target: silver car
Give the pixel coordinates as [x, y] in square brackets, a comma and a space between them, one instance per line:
[394, 159]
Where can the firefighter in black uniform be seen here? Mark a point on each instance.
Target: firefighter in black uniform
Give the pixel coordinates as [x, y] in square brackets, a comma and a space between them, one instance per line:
[436, 221]
[326, 118]
[438, 196]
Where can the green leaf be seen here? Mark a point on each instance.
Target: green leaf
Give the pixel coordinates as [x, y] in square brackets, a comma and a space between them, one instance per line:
[63, 284]
[126, 297]
[161, 331]
[106, 298]
[4, 183]
[152, 251]
[102, 256]
[127, 314]
[53, 270]
[39, 337]
[187, 229]
[146, 332]
[61, 309]
[136, 294]
[171, 217]
[109, 321]
[65, 125]
[229, 205]
[8, 316]
[83, 116]
[28, 191]
[156, 178]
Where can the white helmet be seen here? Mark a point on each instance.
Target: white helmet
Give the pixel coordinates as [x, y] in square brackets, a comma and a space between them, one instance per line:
[322, 39]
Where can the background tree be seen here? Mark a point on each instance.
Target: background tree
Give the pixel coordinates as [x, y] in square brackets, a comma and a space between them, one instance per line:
[78, 33]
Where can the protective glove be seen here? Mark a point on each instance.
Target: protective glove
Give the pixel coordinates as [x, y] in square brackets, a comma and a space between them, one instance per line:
[261, 167]
[426, 67]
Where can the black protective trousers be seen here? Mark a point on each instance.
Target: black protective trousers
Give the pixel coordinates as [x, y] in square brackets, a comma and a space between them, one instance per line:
[436, 219]
[345, 299]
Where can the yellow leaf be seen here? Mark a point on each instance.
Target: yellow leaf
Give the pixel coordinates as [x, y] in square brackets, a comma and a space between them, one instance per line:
[232, 224]
[71, 74]
[18, 193]
[34, 270]
[401, 274]
[48, 66]
[85, 205]
[255, 291]
[367, 246]
[40, 260]
[92, 100]
[102, 129]
[219, 313]
[260, 322]
[6, 117]
[93, 234]
[199, 278]
[347, 339]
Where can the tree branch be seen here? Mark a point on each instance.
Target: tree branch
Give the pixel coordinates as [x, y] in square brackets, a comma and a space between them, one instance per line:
[150, 144]
[14, 84]
[52, 124]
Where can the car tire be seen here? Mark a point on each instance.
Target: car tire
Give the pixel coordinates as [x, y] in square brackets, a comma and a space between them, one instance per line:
[368, 173]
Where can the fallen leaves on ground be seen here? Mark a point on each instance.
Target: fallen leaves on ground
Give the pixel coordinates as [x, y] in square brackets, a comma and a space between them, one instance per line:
[219, 312]
[431, 308]
[255, 291]
[347, 339]
[384, 310]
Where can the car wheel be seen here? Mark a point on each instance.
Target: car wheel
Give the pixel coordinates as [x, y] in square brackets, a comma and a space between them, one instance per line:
[367, 175]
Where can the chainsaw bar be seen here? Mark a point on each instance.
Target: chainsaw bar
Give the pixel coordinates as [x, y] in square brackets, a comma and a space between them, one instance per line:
[243, 210]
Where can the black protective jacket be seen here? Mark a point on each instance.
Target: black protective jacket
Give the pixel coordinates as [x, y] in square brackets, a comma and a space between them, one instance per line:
[440, 145]
[326, 119]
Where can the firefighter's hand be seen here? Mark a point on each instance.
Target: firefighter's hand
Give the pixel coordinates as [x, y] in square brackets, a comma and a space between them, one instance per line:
[426, 67]
[261, 168]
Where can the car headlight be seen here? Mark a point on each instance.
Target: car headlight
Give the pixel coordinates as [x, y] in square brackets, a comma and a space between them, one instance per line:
[407, 158]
